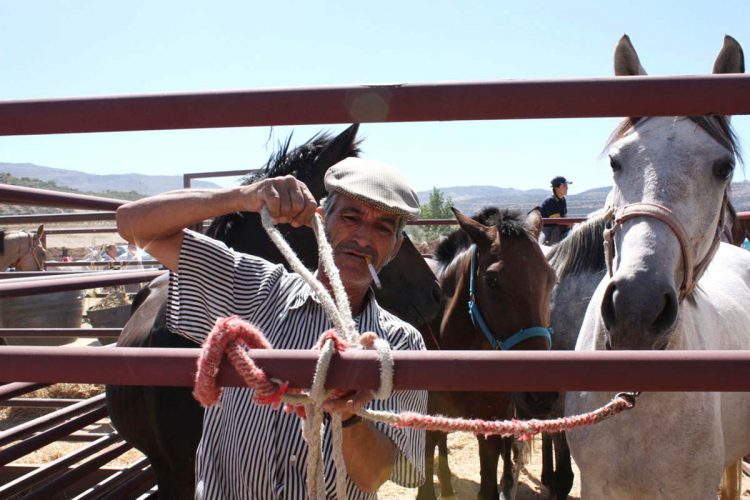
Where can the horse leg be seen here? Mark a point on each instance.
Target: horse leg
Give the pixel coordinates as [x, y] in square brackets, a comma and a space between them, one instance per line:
[489, 453]
[509, 479]
[427, 490]
[444, 472]
[563, 478]
[548, 467]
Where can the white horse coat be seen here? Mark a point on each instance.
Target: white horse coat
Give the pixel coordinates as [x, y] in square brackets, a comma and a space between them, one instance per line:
[671, 445]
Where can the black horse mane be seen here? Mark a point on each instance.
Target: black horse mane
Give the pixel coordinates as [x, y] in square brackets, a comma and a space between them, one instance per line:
[510, 223]
[582, 251]
[299, 162]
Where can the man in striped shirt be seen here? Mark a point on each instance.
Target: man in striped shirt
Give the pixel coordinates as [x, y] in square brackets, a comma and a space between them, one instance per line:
[254, 452]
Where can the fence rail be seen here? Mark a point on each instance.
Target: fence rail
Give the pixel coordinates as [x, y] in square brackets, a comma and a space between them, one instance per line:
[568, 98]
[501, 371]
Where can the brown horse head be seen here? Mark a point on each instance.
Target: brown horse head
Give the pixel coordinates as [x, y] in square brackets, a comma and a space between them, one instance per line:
[512, 284]
[512, 281]
[23, 250]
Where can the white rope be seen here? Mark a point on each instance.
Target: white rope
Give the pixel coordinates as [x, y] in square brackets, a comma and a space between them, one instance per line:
[341, 317]
[325, 298]
[349, 332]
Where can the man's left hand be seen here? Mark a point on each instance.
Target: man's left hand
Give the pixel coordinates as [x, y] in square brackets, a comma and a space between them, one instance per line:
[348, 403]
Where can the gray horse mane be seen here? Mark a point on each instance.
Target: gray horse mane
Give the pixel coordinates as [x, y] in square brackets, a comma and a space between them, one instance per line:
[582, 251]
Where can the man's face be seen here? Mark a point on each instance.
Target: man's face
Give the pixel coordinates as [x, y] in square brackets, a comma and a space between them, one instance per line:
[561, 190]
[356, 231]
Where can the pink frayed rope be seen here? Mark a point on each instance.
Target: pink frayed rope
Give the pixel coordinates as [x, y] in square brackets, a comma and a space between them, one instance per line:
[522, 429]
[231, 334]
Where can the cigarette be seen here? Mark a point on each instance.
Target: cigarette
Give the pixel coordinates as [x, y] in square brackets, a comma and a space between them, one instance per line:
[373, 272]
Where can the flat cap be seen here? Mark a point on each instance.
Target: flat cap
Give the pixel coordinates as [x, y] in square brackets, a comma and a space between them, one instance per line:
[375, 184]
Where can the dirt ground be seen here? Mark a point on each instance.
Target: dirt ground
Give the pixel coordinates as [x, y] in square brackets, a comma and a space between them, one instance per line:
[463, 457]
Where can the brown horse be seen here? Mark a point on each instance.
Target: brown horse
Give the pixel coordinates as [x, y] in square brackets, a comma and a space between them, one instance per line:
[165, 423]
[495, 265]
[22, 250]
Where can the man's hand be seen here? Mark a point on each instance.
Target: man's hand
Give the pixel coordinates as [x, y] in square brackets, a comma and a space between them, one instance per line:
[348, 404]
[287, 199]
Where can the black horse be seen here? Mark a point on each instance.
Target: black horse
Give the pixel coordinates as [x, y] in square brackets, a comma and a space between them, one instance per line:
[165, 423]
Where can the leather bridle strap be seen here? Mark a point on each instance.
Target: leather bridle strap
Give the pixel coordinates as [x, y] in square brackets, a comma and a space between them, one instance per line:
[691, 273]
[39, 265]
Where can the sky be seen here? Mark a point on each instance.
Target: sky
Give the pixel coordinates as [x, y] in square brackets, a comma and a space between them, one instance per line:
[86, 48]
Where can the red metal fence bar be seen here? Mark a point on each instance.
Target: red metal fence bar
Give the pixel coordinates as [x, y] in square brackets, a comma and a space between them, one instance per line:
[45, 421]
[47, 471]
[15, 389]
[29, 219]
[40, 402]
[79, 230]
[188, 178]
[80, 281]
[129, 482]
[60, 332]
[514, 370]
[54, 488]
[116, 264]
[569, 98]
[47, 198]
[35, 442]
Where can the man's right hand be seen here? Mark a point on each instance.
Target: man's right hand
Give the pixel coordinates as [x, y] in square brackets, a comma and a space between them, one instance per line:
[288, 200]
[156, 223]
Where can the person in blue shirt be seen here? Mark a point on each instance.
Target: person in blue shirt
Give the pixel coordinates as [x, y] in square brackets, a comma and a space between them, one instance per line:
[555, 206]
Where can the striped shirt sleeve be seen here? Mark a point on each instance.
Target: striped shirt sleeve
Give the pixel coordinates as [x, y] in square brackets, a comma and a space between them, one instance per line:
[205, 286]
[408, 467]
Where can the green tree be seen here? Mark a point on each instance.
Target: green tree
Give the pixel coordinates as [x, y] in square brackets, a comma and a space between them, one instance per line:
[437, 207]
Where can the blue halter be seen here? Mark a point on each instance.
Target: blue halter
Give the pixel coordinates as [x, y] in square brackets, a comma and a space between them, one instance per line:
[478, 320]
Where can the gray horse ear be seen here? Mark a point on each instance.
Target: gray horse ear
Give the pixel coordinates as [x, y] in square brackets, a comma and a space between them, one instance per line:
[626, 59]
[731, 58]
[344, 145]
[478, 233]
[534, 222]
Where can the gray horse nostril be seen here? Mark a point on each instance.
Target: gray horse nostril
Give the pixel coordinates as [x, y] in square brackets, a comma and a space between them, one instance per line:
[608, 306]
[668, 313]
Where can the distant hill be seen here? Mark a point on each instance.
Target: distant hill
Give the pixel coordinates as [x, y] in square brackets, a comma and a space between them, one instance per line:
[468, 199]
[94, 183]
[471, 199]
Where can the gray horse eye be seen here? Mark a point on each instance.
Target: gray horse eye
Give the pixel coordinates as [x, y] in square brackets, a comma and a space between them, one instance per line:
[723, 168]
[616, 166]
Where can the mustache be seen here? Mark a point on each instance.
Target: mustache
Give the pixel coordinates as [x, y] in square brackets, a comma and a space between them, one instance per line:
[353, 247]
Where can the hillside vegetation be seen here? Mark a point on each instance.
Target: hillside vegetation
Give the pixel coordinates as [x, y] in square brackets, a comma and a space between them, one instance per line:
[7, 209]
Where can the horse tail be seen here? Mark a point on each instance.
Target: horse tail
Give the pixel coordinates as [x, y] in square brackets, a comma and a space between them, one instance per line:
[731, 482]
